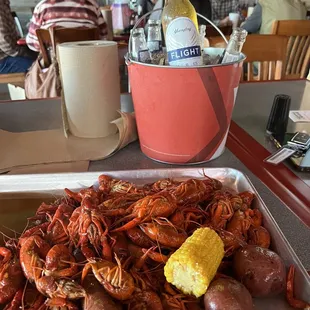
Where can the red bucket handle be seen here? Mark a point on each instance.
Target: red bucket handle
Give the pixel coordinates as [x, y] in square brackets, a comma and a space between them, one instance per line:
[149, 13]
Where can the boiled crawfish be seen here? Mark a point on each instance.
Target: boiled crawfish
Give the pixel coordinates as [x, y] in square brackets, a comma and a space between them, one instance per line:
[112, 186]
[143, 297]
[175, 300]
[117, 206]
[231, 241]
[96, 297]
[164, 184]
[33, 250]
[57, 230]
[26, 299]
[220, 213]
[88, 225]
[193, 191]
[161, 204]
[87, 192]
[60, 262]
[294, 302]
[60, 303]
[164, 234]
[11, 276]
[189, 217]
[119, 245]
[59, 288]
[138, 237]
[239, 224]
[259, 236]
[117, 282]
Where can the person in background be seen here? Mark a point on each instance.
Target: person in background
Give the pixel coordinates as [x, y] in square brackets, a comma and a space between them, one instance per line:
[221, 10]
[267, 11]
[13, 58]
[67, 14]
[146, 5]
[203, 7]
[252, 23]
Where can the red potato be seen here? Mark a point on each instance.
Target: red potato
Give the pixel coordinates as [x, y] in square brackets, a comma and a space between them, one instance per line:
[96, 296]
[260, 270]
[227, 294]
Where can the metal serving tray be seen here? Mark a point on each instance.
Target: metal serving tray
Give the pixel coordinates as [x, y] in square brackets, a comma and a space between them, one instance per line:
[20, 196]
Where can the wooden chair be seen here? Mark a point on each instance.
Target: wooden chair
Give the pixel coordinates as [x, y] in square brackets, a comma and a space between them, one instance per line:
[268, 50]
[218, 41]
[64, 35]
[17, 79]
[212, 32]
[78, 34]
[298, 46]
[107, 15]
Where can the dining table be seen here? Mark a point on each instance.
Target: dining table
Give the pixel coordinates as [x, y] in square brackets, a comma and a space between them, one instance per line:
[249, 141]
[287, 201]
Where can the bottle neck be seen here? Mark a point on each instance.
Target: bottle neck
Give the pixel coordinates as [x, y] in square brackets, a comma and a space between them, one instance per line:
[236, 41]
[170, 1]
[234, 46]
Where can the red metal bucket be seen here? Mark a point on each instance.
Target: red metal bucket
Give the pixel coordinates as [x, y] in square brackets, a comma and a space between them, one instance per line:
[183, 114]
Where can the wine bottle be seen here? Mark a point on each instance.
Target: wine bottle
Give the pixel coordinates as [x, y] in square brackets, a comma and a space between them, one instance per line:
[180, 25]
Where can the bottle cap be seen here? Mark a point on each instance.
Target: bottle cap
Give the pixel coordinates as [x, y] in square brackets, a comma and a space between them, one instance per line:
[239, 34]
[278, 118]
[154, 22]
[137, 31]
[202, 28]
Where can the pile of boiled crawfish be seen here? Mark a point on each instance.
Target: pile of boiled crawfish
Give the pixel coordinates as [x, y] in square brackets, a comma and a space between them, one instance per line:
[106, 248]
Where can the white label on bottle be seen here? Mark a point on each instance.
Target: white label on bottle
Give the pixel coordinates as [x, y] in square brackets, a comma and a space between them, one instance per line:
[183, 43]
[230, 57]
[144, 56]
[154, 46]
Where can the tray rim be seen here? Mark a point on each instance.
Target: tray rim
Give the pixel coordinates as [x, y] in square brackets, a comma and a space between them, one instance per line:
[10, 180]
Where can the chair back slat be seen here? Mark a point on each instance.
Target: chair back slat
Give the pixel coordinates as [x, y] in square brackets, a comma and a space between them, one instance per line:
[279, 70]
[298, 57]
[305, 66]
[298, 54]
[272, 70]
[292, 54]
[305, 48]
[249, 74]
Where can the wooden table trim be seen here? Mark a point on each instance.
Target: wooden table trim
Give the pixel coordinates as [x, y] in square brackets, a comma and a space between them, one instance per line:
[275, 81]
[279, 179]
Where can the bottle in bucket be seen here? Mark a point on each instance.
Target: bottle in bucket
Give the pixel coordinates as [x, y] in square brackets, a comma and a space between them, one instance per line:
[154, 39]
[234, 46]
[140, 51]
[180, 26]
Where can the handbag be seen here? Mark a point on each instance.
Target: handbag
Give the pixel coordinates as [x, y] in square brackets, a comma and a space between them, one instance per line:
[44, 82]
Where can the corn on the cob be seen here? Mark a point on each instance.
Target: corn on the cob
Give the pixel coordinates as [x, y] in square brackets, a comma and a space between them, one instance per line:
[192, 267]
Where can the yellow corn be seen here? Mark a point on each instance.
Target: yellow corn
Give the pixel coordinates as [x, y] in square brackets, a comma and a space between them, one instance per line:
[192, 267]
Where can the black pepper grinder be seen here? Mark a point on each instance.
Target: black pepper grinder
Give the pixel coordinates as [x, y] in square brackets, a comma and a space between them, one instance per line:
[278, 118]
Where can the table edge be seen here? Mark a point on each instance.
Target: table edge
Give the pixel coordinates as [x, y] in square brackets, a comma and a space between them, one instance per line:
[288, 187]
